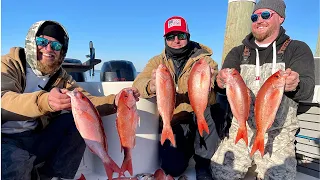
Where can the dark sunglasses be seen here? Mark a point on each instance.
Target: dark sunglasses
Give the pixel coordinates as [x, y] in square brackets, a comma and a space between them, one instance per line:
[181, 36]
[55, 45]
[264, 15]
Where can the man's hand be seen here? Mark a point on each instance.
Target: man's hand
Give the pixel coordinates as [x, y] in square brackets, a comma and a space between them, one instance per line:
[221, 78]
[152, 83]
[136, 94]
[292, 80]
[211, 75]
[58, 100]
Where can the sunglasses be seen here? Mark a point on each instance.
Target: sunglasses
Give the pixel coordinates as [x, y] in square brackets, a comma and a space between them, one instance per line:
[55, 45]
[181, 36]
[264, 15]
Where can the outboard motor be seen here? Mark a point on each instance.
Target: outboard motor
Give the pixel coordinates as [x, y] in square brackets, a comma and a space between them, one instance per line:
[118, 70]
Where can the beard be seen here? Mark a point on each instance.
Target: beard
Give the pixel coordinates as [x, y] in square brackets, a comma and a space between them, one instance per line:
[262, 36]
[49, 68]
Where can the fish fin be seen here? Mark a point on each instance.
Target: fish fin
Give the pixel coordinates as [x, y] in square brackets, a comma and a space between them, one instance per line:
[258, 145]
[270, 124]
[167, 133]
[202, 126]
[249, 96]
[82, 177]
[169, 177]
[110, 166]
[242, 134]
[91, 150]
[126, 166]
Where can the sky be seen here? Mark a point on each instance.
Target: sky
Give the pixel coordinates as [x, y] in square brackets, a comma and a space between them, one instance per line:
[133, 30]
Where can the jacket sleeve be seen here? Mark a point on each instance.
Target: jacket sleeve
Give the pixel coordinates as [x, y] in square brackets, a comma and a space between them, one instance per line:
[302, 62]
[16, 105]
[141, 82]
[104, 104]
[232, 59]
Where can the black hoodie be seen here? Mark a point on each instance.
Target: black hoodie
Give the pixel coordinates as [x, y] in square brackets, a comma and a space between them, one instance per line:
[297, 56]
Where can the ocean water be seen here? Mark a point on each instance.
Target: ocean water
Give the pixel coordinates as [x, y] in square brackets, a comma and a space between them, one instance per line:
[92, 77]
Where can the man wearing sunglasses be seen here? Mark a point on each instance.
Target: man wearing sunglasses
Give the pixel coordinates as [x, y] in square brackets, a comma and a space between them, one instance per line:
[179, 54]
[38, 140]
[263, 52]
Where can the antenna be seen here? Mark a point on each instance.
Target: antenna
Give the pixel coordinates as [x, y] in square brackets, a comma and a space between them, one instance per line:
[92, 50]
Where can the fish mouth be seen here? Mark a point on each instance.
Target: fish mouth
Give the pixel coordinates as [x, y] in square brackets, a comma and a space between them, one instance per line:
[71, 93]
[230, 70]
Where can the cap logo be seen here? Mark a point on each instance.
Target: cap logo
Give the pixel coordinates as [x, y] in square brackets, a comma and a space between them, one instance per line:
[174, 22]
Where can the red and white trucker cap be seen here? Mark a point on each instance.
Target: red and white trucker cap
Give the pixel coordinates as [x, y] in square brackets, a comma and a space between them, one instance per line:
[175, 23]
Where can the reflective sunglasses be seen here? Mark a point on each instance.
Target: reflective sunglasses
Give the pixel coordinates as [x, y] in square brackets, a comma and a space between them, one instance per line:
[55, 45]
[264, 15]
[181, 36]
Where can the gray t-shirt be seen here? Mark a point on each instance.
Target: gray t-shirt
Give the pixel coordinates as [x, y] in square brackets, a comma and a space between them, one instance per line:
[32, 85]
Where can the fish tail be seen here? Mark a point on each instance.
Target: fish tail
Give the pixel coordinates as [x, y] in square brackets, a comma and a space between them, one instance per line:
[110, 166]
[126, 166]
[202, 126]
[82, 177]
[258, 145]
[242, 134]
[167, 133]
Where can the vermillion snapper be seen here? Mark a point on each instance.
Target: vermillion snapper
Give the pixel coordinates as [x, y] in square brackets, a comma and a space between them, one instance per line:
[90, 127]
[267, 103]
[166, 98]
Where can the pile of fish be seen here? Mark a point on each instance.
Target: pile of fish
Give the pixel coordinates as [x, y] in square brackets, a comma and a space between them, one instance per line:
[158, 175]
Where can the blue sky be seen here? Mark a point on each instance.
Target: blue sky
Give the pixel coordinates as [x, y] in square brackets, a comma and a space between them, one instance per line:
[133, 30]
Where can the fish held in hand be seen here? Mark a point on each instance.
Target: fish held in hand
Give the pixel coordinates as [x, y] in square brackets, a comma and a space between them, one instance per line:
[238, 95]
[165, 93]
[199, 85]
[126, 122]
[90, 127]
[267, 103]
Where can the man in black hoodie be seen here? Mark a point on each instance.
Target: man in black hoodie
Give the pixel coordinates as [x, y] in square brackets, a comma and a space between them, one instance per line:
[263, 52]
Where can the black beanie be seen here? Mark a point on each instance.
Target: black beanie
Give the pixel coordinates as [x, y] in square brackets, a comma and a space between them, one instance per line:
[53, 30]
